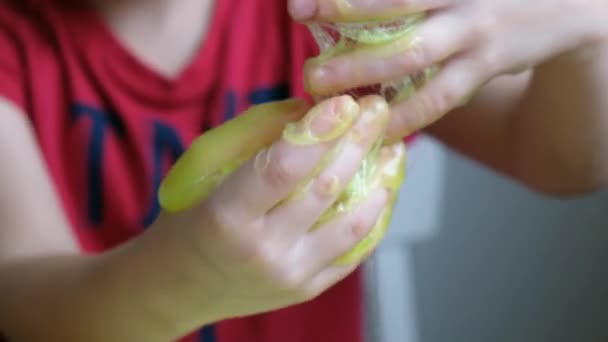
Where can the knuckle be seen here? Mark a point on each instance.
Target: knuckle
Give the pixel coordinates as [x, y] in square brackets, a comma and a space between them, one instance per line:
[423, 107]
[308, 293]
[245, 244]
[331, 9]
[290, 279]
[407, 3]
[490, 60]
[221, 223]
[220, 216]
[445, 98]
[265, 256]
[281, 172]
[484, 24]
[416, 57]
[412, 116]
[429, 105]
[326, 186]
[359, 227]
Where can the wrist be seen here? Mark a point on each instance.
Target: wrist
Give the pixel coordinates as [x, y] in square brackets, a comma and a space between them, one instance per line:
[78, 298]
[584, 37]
[591, 47]
[593, 35]
[174, 290]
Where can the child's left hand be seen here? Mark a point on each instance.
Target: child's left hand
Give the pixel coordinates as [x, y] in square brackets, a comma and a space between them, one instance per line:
[472, 41]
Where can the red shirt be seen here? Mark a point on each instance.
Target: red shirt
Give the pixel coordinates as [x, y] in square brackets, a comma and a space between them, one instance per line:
[109, 127]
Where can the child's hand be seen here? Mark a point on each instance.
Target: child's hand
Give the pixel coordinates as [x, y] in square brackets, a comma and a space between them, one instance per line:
[473, 41]
[255, 242]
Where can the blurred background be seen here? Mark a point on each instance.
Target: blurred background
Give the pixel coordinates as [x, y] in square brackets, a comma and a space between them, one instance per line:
[472, 257]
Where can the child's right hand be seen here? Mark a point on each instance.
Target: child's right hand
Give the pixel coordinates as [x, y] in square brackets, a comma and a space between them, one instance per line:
[247, 248]
[254, 243]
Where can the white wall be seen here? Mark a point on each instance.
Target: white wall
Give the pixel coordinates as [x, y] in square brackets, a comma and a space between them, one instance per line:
[472, 257]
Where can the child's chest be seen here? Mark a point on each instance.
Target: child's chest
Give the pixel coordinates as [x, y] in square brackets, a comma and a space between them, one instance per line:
[110, 126]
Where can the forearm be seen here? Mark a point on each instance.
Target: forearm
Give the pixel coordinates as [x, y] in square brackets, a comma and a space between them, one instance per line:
[559, 126]
[138, 292]
[53, 297]
[546, 128]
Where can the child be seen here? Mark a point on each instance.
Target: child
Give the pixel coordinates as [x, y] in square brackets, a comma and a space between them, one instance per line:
[105, 95]
[111, 104]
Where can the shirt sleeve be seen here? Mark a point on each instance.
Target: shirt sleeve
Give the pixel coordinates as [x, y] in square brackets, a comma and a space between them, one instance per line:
[11, 62]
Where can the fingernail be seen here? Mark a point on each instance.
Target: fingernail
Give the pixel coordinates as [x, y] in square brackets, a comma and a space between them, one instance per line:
[367, 5]
[386, 154]
[335, 118]
[325, 122]
[262, 160]
[302, 10]
[374, 115]
[292, 103]
[321, 75]
[335, 74]
[314, 77]
[391, 170]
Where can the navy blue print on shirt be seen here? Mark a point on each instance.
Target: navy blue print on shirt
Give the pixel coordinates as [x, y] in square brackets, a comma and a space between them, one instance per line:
[207, 334]
[257, 96]
[231, 102]
[165, 140]
[269, 94]
[100, 120]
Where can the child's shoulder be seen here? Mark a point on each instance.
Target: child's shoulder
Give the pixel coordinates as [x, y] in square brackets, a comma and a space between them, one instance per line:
[23, 21]
[21, 11]
[15, 30]
[13, 12]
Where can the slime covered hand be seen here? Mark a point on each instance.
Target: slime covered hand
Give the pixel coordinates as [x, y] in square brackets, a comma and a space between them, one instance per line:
[221, 151]
[341, 43]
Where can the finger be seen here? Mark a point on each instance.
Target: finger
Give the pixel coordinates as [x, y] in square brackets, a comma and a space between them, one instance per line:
[304, 209]
[330, 277]
[269, 177]
[434, 41]
[451, 88]
[358, 10]
[217, 153]
[329, 241]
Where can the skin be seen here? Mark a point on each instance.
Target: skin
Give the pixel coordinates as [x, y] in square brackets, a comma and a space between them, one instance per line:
[189, 268]
[539, 112]
[226, 257]
[189, 265]
[221, 151]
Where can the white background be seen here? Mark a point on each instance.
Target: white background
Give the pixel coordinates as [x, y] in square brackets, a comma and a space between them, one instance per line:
[472, 257]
